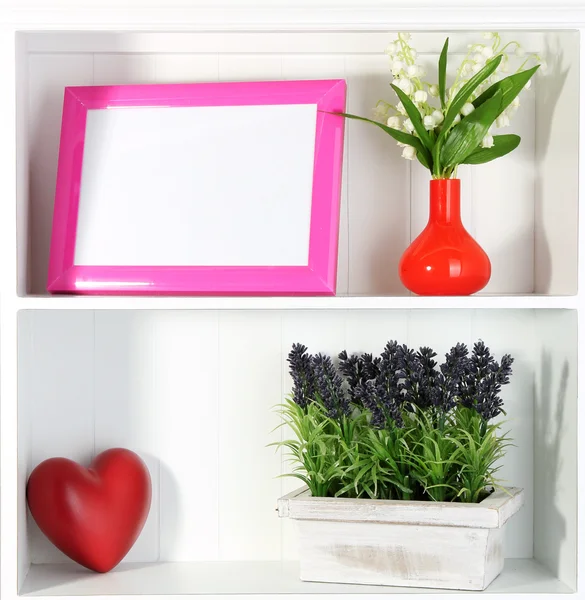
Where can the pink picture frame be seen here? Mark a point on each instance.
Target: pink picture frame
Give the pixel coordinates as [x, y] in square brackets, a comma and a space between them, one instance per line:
[316, 277]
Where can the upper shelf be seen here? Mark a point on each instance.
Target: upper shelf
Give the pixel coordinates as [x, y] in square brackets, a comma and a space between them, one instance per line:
[522, 209]
[296, 302]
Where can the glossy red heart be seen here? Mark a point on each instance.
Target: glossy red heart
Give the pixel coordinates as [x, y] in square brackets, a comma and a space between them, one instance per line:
[93, 515]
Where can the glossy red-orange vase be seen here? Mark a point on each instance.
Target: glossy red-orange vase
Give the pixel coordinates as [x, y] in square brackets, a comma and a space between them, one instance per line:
[444, 260]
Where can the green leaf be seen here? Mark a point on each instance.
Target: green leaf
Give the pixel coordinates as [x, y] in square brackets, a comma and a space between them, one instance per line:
[415, 117]
[509, 86]
[465, 92]
[422, 153]
[467, 135]
[503, 144]
[437, 167]
[443, 72]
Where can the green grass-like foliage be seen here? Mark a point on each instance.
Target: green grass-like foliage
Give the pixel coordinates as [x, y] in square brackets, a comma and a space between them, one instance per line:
[396, 426]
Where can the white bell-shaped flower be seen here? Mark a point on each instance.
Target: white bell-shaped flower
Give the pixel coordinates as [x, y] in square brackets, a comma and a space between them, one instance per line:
[405, 85]
[409, 153]
[438, 117]
[488, 52]
[404, 36]
[400, 108]
[394, 122]
[488, 141]
[420, 96]
[391, 49]
[456, 119]
[502, 121]
[434, 90]
[467, 109]
[412, 71]
[397, 67]
[408, 125]
[429, 122]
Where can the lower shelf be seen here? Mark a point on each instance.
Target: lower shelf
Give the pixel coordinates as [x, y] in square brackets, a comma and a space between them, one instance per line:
[219, 578]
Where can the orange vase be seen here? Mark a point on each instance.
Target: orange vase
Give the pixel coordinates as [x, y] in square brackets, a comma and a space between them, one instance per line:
[444, 260]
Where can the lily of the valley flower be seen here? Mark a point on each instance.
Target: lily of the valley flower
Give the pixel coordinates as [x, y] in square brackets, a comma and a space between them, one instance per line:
[467, 109]
[409, 77]
[415, 71]
[397, 67]
[438, 117]
[409, 153]
[420, 96]
[394, 122]
[405, 85]
[429, 122]
[408, 125]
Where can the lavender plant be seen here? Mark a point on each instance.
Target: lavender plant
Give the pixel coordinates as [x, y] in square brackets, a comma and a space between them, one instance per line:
[398, 425]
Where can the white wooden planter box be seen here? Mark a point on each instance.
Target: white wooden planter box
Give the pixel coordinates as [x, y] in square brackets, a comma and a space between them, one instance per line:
[391, 542]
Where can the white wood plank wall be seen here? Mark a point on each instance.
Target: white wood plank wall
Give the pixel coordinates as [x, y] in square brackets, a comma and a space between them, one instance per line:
[384, 198]
[192, 392]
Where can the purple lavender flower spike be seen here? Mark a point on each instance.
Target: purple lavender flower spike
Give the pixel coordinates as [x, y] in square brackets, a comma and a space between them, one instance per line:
[302, 373]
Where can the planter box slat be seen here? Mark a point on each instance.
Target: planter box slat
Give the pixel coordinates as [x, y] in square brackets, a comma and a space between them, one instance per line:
[494, 511]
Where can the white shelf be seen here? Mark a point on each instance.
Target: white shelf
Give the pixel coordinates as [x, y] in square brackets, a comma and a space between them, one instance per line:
[256, 578]
[283, 14]
[143, 379]
[295, 302]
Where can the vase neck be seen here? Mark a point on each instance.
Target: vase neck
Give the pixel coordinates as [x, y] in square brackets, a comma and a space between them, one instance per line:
[445, 206]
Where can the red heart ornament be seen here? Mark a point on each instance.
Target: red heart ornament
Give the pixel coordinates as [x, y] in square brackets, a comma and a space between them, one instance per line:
[93, 515]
